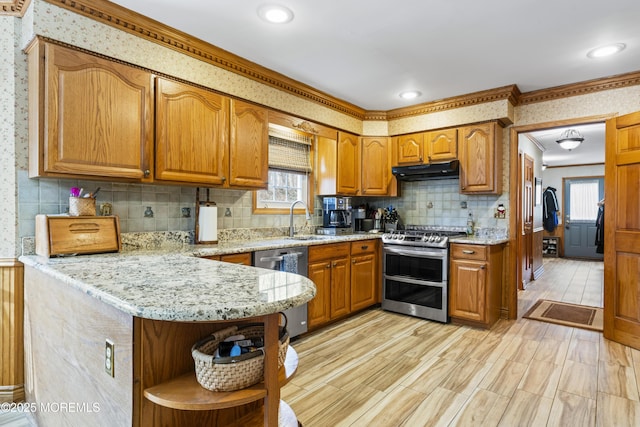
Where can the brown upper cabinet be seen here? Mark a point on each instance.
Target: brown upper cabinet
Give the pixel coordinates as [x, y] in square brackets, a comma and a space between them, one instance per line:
[88, 116]
[348, 178]
[249, 146]
[481, 159]
[353, 166]
[427, 147]
[191, 134]
[95, 117]
[377, 160]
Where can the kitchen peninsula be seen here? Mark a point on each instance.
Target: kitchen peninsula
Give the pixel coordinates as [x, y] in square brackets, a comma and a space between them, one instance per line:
[151, 307]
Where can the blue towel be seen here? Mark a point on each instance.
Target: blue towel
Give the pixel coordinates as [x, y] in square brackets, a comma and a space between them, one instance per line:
[289, 263]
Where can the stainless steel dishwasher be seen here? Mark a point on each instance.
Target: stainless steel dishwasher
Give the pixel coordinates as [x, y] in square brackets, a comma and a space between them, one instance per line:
[272, 259]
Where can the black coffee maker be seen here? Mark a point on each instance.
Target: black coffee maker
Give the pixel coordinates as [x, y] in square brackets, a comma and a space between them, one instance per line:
[336, 212]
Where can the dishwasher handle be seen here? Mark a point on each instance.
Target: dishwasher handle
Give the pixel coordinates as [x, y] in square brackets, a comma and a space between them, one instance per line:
[277, 258]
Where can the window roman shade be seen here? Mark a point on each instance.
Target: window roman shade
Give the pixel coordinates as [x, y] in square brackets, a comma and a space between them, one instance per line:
[289, 150]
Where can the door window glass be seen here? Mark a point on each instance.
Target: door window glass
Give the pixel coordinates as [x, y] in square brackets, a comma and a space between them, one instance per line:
[584, 197]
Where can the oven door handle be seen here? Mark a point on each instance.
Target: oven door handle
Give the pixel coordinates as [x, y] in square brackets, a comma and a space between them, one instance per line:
[417, 253]
[413, 281]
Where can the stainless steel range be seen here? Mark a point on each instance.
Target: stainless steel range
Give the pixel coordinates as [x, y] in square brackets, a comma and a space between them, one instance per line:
[415, 268]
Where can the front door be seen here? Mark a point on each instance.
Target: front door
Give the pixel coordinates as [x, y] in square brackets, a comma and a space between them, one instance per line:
[622, 231]
[581, 197]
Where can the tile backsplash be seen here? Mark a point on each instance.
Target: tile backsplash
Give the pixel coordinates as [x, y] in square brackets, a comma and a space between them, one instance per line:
[437, 203]
[131, 201]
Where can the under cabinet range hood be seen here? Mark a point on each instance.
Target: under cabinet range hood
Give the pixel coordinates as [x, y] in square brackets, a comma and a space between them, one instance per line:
[427, 171]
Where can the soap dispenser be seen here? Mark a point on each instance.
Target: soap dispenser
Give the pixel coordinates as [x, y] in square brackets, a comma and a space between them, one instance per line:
[470, 224]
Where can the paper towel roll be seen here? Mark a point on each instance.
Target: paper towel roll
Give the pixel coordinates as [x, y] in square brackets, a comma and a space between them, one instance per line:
[208, 224]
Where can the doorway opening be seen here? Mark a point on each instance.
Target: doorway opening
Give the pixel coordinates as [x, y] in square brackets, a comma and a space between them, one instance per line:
[550, 164]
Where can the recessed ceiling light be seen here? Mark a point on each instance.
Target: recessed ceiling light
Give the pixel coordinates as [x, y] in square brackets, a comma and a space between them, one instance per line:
[410, 94]
[607, 50]
[275, 13]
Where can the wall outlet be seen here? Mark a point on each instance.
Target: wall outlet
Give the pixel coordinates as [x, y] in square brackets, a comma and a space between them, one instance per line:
[109, 356]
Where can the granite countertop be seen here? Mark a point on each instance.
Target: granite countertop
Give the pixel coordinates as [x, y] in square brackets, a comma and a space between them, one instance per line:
[474, 240]
[173, 283]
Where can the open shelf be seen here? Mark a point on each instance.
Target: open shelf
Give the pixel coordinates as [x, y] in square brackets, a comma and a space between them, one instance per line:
[550, 246]
[186, 393]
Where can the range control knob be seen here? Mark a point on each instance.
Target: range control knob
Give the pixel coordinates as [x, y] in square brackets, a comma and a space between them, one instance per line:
[400, 237]
[437, 239]
[425, 238]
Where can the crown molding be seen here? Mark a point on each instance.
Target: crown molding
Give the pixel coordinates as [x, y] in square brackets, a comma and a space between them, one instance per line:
[581, 88]
[510, 93]
[134, 23]
[13, 7]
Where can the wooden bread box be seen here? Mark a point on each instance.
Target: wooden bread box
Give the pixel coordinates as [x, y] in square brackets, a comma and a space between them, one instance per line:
[70, 235]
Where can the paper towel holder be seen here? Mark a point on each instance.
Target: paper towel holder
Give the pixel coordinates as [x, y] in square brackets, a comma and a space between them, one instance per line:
[205, 203]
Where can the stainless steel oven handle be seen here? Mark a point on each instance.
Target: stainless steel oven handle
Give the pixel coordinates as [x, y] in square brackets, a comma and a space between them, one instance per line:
[417, 253]
[413, 281]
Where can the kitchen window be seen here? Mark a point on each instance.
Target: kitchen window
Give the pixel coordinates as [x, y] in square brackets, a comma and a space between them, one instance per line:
[289, 171]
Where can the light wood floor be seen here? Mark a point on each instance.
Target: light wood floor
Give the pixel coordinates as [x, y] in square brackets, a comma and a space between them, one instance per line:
[385, 369]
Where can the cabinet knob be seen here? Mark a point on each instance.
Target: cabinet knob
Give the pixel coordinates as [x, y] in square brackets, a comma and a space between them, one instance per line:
[223, 178]
[482, 267]
[147, 172]
[334, 264]
[327, 266]
[353, 261]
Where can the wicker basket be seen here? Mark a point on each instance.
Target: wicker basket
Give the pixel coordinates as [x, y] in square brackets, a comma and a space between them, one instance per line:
[82, 206]
[237, 372]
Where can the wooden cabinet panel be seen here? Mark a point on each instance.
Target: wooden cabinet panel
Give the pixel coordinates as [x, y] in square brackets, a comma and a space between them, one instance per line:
[467, 298]
[318, 309]
[340, 287]
[242, 258]
[248, 146]
[326, 168]
[475, 283]
[348, 162]
[191, 134]
[88, 116]
[441, 145]
[376, 166]
[363, 281]
[481, 158]
[410, 148]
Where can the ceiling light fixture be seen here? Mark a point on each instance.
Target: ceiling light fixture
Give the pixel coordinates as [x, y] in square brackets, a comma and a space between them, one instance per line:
[607, 50]
[410, 94]
[275, 14]
[570, 139]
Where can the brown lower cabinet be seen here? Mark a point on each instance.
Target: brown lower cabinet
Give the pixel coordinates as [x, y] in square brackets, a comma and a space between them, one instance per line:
[243, 258]
[475, 286]
[346, 278]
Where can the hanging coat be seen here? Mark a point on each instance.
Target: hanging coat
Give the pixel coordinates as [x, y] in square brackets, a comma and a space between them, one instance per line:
[600, 231]
[550, 209]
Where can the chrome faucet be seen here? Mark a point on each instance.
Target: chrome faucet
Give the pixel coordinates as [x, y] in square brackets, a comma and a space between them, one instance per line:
[306, 209]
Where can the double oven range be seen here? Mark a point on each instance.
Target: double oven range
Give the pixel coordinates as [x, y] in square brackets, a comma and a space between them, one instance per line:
[416, 271]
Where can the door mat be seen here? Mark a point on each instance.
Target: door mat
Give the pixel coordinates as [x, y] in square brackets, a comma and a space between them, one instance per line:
[577, 316]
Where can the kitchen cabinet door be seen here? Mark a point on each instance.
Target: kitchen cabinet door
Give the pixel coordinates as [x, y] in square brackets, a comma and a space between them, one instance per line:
[363, 281]
[441, 145]
[411, 148]
[376, 166]
[340, 287]
[88, 116]
[480, 159]
[348, 165]
[249, 146]
[326, 165]
[467, 298]
[192, 125]
[318, 309]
